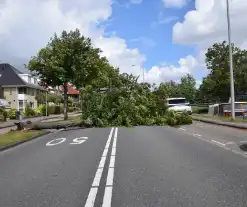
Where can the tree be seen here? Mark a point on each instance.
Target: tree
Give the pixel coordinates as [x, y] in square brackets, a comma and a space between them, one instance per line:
[187, 87]
[70, 58]
[41, 98]
[216, 86]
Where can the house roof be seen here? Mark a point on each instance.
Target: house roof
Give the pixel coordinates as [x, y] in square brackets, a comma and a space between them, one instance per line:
[73, 91]
[10, 76]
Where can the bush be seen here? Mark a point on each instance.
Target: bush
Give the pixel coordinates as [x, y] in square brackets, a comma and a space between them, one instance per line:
[160, 121]
[5, 115]
[71, 109]
[61, 108]
[57, 110]
[12, 113]
[41, 110]
[200, 110]
[29, 111]
[51, 109]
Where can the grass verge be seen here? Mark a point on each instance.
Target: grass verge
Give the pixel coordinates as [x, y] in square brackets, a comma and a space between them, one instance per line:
[17, 136]
[71, 120]
[221, 118]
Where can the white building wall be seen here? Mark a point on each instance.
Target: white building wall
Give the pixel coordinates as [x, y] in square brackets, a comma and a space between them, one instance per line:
[27, 77]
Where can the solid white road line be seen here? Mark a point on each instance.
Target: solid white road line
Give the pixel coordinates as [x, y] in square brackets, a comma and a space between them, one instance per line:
[222, 144]
[112, 161]
[94, 189]
[91, 197]
[110, 176]
[107, 197]
[105, 152]
[102, 162]
[107, 145]
[97, 177]
[113, 152]
[182, 129]
[116, 131]
[114, 142]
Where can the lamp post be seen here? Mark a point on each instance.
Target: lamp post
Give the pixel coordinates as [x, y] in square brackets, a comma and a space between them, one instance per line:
[143, 72]
[46, 106]
[230, 62]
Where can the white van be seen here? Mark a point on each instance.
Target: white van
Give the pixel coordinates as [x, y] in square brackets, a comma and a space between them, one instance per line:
[179, 105]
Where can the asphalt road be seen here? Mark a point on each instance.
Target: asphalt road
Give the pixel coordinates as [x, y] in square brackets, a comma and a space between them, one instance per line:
[142, 166]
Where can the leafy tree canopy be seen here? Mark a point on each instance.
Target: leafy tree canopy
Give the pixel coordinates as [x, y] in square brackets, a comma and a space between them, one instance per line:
[68, 58]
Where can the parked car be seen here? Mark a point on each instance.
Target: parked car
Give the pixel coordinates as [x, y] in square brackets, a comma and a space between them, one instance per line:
[179, 105]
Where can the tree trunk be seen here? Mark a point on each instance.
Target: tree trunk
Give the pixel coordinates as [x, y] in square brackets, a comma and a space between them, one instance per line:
[65, 101]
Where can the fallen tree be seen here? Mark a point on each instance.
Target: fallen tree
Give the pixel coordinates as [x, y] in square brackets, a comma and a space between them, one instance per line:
[130, 104]
[28, 125]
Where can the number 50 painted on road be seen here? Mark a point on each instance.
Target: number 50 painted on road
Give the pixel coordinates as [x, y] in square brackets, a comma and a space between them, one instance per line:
[57, 141]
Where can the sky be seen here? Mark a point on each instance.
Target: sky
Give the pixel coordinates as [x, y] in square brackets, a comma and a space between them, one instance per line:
[166, 38]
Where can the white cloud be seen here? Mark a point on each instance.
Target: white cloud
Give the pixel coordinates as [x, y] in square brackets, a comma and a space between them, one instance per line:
[175, 3]
[207, 24]
[26, 26]
[117, 52]
[158, 74]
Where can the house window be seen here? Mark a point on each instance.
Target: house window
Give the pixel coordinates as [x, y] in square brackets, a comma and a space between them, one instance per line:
[22, 90]
[31, 91]
[10, 91]
[20, 104]
[25, 104]
[29, 79]
[35, 81]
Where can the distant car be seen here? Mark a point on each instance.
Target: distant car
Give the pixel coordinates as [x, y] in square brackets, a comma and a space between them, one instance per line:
[179, 105]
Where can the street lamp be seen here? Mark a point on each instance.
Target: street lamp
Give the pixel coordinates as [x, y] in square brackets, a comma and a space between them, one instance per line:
[230, 62]
[142, 72]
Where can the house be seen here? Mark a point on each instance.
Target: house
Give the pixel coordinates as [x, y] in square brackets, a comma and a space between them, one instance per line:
[73, 93]
[17, 88]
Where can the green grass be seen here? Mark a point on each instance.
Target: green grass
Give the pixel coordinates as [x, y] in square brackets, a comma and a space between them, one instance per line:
[71, 120]
[221, 118]
[197, 109]
[16, 136]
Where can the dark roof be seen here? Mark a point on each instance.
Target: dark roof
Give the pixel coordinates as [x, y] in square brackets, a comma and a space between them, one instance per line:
[10, 76]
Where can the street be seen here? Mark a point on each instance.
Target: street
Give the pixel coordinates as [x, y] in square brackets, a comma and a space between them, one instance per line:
[194, 165]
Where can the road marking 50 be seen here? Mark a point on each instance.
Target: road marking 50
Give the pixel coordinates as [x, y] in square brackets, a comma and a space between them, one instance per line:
[57, 141]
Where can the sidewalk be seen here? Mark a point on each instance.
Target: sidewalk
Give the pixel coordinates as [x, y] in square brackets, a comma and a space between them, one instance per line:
[10, 123]
[239, 125]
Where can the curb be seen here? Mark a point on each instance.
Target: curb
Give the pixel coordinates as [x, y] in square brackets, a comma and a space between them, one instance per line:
[7, 126]
[221, 123]
[23, 141]
[74, 128]
[26, 119]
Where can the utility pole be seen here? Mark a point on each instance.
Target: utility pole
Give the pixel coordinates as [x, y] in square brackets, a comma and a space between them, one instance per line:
[230, 62]
[46, 106]
[143, 72]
